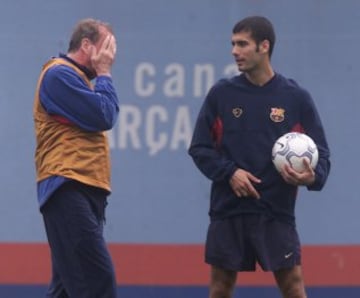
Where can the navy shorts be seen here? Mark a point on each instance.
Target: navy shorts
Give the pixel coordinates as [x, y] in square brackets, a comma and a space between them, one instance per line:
[239, 243]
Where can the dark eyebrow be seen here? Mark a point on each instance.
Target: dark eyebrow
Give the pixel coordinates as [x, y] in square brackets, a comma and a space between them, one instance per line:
[239, 42]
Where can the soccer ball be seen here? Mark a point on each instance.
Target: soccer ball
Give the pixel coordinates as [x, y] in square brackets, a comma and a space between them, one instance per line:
[292, 148]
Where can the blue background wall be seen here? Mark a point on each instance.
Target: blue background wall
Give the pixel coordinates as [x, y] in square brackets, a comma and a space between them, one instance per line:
[158, 195]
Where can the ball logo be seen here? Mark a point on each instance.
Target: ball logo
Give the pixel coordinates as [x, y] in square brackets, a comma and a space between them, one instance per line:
[237, 112]
[277, 114]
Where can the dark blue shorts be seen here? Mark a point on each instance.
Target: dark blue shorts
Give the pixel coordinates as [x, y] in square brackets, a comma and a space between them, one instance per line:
[239, 243]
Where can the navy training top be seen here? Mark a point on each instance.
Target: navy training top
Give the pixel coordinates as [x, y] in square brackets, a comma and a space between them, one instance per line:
[237, 127]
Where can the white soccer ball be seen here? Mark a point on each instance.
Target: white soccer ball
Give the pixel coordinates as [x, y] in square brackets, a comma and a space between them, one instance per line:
[292, 148]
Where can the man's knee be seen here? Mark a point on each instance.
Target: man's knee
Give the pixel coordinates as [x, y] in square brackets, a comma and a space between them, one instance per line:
[293, 289]
[222, 283]
[290, 282]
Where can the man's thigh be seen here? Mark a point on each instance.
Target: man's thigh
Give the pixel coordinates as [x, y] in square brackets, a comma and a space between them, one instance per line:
[277, 244]
[227, 245]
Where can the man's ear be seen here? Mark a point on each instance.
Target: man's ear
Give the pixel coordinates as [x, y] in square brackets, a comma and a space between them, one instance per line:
[264, 46]
[86, 45]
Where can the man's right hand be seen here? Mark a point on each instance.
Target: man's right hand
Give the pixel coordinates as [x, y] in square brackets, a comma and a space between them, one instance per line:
[242, 184]
[104, 58]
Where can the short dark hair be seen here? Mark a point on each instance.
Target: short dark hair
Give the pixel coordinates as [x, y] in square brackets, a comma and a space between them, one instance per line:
[260, 29]
[86, 28]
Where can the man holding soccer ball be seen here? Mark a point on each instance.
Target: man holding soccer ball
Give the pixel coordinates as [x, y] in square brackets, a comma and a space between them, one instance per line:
[252, 204]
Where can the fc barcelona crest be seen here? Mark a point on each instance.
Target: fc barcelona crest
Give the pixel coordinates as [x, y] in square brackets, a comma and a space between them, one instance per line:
[237, 112]
[277, 114]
